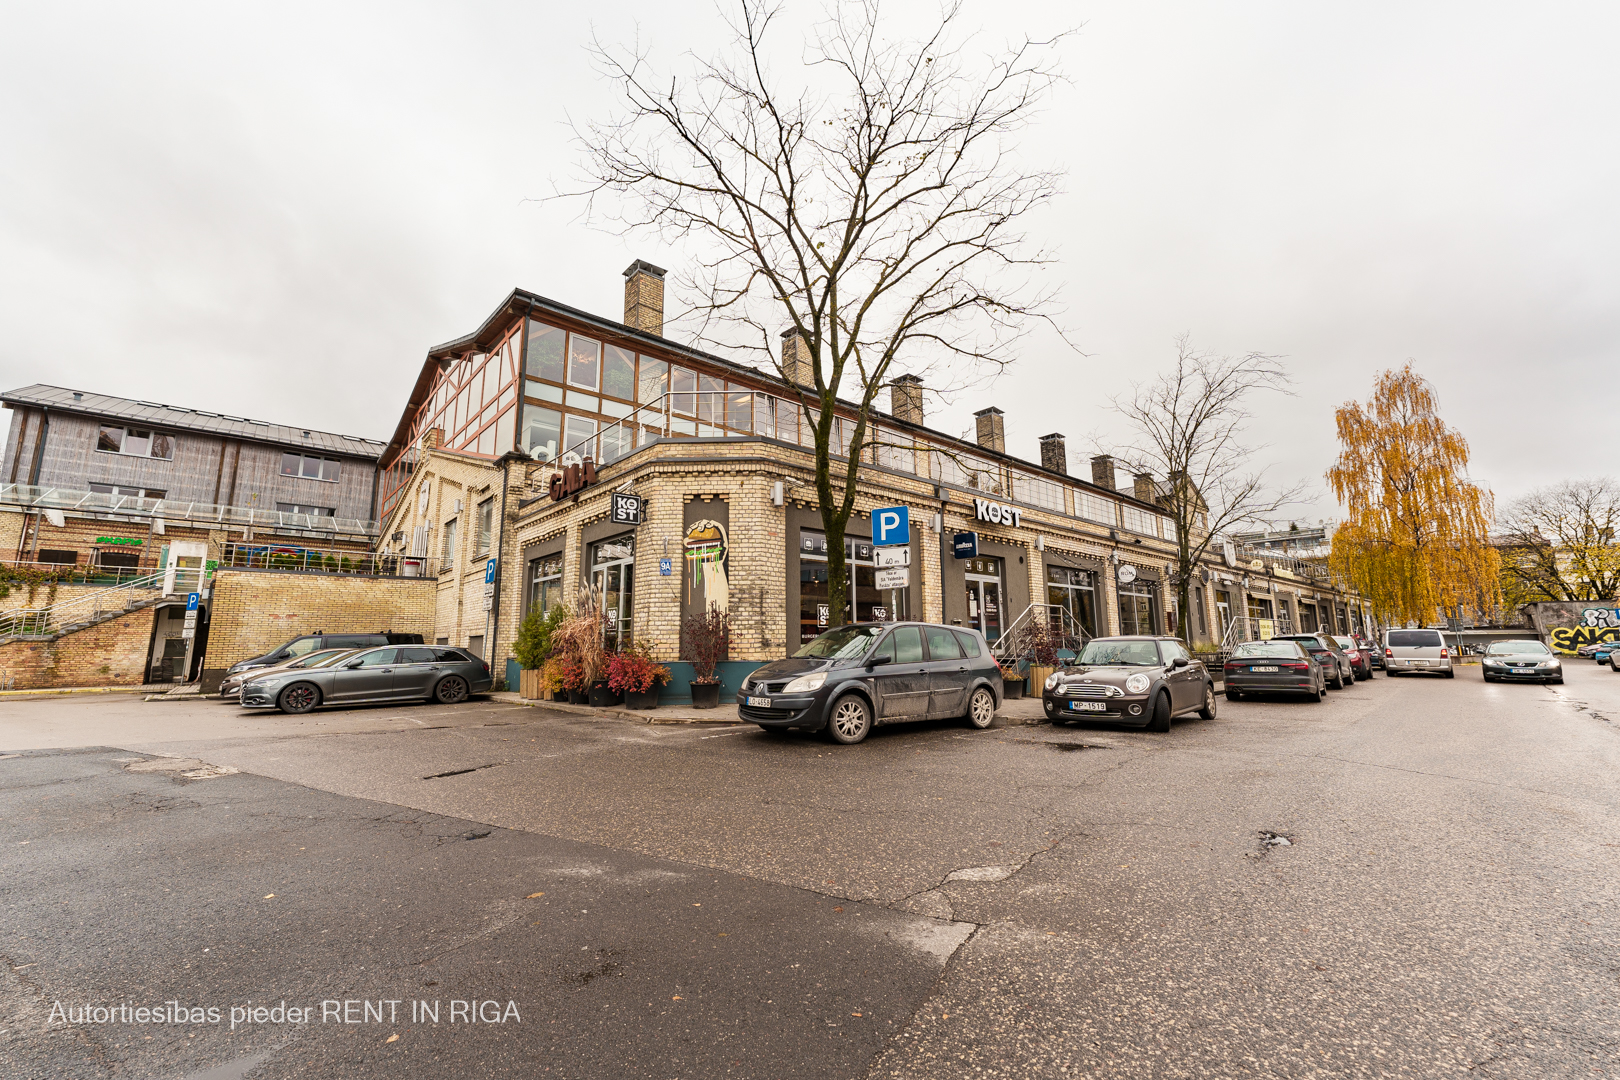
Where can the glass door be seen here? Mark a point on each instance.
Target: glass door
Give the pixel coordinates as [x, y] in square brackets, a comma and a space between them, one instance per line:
[613, 572]
[983, 579]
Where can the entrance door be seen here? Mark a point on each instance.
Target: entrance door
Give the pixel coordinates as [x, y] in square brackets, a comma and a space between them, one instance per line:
[182, 572]
[613, 572]
[983, 578]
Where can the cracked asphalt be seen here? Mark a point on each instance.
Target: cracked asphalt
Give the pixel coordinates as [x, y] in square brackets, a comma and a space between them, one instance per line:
[1027, 901]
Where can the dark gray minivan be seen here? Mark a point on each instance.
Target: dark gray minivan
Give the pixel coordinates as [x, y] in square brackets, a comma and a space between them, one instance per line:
[852, 679]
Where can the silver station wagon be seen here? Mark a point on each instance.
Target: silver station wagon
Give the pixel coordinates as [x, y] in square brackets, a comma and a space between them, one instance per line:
[403, 673]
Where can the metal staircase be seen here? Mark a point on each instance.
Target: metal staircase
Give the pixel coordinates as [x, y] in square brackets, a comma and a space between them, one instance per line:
[91, 609]
[1040, 627]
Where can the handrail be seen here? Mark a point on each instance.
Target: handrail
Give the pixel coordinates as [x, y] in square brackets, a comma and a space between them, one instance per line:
[91, 606]
[1013, 642]
[72, 500]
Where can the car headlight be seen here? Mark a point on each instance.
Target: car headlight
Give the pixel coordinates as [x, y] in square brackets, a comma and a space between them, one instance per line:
[1137, 684]
[1551, 663]
[1052, 680]
[805, 684]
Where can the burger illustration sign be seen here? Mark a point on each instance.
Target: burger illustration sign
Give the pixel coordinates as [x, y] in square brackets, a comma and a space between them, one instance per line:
[706, 551]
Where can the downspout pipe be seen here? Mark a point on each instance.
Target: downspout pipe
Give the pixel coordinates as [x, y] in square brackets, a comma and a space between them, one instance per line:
[494, 628]
[34, 469]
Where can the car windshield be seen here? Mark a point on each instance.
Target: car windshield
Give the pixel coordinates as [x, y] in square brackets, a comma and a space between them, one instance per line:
[1344, 643]
[1517, 648]
[1123, 653]
[1268, 648]
[842, 643]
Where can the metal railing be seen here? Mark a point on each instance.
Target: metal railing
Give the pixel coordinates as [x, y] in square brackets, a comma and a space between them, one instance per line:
[129, 507]
[91, 606]
[249, 556]
[78, 573]
[1040, 628]
[1243, 628]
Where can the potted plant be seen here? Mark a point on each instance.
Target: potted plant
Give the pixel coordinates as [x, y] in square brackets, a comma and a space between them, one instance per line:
[580, 638]
[705, 639]
[533, 648]
[1044, 642]
[1012, 683]
[635, 674]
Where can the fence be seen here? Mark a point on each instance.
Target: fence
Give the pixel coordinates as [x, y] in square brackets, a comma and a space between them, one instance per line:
[246, 556]
[1243, 628]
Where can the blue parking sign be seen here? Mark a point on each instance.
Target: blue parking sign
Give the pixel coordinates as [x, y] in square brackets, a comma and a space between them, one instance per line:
[891, 525]
[191, 601]
[489, 572]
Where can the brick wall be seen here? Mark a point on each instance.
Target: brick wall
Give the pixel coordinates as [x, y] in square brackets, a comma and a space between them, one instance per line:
[253, 611]
[112, 653]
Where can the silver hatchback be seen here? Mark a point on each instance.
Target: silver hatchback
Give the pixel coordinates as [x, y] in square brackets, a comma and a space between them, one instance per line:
[402, 673]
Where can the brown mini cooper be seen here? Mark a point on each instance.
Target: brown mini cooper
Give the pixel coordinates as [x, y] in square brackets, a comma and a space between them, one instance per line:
[1130, 680]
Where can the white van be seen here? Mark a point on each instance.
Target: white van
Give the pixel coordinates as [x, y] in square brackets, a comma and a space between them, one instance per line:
[1417, 650]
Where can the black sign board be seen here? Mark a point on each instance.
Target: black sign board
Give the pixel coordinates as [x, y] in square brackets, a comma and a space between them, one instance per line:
[627, 509]
[966, 545]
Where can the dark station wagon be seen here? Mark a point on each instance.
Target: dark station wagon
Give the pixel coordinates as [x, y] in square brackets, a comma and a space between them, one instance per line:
[864, 675]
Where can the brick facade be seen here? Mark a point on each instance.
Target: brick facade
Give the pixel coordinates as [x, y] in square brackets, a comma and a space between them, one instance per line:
[112, 653]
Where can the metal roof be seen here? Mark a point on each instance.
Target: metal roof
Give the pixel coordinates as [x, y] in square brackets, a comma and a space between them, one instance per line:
[107, 407]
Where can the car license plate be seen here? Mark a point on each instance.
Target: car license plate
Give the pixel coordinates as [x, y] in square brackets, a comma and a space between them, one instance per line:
[1421, 663]
[1087, 706]
[760, 702]
[1262, 669]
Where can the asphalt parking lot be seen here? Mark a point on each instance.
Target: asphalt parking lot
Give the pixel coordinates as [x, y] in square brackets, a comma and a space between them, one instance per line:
[693, 902]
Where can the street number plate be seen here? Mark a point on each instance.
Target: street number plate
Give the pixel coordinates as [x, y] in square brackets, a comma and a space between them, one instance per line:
[760, 702]
[1262, 669]
[1087, 706]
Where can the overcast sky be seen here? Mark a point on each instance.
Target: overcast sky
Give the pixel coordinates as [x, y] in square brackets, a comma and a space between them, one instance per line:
[275, 210]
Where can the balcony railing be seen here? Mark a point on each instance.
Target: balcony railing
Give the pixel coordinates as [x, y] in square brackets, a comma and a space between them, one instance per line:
[1243, 628]
[249, 556]
[131, 508]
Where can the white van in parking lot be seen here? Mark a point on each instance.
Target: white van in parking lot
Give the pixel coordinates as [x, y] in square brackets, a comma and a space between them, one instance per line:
[1417, 650]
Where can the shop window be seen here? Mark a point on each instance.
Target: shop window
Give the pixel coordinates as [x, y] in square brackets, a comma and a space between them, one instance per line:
[542, 433]
[545, 583]
[135, 442]
[1075, 592]
[1138, 607]
[584, 362]
[619, 373]
[867, 603]
[543, 355]
[119, 559]
[57, 557]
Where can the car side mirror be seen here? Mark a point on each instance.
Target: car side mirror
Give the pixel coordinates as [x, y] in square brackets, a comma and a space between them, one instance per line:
[876, 660]
[352, 664]
[1180, 661]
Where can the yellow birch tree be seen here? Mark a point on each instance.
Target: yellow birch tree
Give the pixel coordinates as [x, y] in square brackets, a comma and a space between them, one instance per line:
[1415, 537]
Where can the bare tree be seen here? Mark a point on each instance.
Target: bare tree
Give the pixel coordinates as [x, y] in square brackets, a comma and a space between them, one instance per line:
[1559, 542]
[871, 212]
[1190, 423]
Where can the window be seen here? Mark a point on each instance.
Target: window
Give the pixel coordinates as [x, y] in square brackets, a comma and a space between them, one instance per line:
[711, 402]
[312, 511]
[59, 557]
[740, 410]
[1094, 508]
[1075, 591]
[449, 540]
[117, 558]
[542, 432]
[579, 439]
[1137, 607]
[129, 492]
[545, 582]
[907, 645]
[683, 385]
[135, 442]
[543, 356]
[942, 644]
[1198, 607]
[867, 604]
[418, 655]
[486, 519]
[1037, 491]
[654, 381]
[969, 643]
[584, 362]
[619, 373]
[377, 658]
[309, 467]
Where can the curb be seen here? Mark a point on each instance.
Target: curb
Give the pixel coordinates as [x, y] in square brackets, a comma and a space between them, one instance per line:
[71, 690]
[622, 714]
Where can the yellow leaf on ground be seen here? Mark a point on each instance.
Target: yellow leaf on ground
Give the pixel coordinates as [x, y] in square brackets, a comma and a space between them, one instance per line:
[532, 895]
[391, 1038]
[272, 896]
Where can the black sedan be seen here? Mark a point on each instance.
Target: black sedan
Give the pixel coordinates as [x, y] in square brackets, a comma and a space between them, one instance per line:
[411, 673]
[1336, 666]
[1273, 667]
[1134, 680]
[849, 680]
[1529, 661]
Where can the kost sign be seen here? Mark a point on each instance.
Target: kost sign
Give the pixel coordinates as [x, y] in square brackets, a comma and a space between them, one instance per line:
[573, 479]
[997, 513]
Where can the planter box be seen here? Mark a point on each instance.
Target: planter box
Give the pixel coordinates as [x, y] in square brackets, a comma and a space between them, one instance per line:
[578, 697]
[1012, 689]
[706, 695]
[529, 685]
[648, 700]
[601, 696]
[1038, 674]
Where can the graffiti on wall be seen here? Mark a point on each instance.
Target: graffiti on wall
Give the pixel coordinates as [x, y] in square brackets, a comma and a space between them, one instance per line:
[1597, 626]
[706, 551]
[1601, 616]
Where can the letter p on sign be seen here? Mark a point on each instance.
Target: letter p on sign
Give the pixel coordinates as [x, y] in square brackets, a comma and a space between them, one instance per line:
[891, 525]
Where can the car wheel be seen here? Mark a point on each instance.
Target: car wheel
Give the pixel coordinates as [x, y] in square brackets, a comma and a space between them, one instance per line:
[1490, 678]
[1452, 674]
[1338, 681]
[1319, 694]
[300, 697]
[1234, 695]
[1161, 714]
[981, 709]
[851, 720]
[451, 689]
[1208, 711]
[1558, 681]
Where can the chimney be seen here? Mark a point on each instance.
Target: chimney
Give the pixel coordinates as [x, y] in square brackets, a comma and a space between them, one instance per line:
[1102, 472]
[989, 430]
[432, 438]
[1053, 455]
[644, 297]
[905, 399]
[797, 366]
[1145, 490]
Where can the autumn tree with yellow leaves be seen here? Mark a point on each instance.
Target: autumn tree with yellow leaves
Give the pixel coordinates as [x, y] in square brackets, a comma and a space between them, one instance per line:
[1414, 539]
